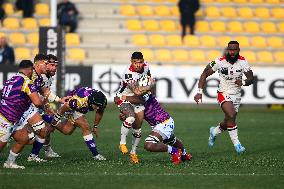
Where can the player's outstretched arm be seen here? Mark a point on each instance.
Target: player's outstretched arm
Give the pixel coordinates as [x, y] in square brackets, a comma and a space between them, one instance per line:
[206, 72]
[98, 118]
[139, 90]
[36, 100]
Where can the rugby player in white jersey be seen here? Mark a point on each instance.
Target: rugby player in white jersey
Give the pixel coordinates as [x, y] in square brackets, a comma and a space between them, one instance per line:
[134, 113]
[231, 69]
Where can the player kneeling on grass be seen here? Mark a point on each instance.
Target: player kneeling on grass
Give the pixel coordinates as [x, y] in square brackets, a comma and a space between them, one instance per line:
[82, 100]
[161, 138]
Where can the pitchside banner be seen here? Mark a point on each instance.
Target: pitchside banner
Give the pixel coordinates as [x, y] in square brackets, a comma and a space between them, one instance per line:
[51, 41]
[179, 84]
[76, 76]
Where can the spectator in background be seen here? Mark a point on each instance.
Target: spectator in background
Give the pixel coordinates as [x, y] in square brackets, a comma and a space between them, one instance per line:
[2, 12]
[6, 52]
[27, 6]
[187, 9]
[68, 15]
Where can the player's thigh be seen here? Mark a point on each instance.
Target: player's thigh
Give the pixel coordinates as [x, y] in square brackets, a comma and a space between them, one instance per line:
[23, 136]
[82, 122]
[229, 110]
[139, 120]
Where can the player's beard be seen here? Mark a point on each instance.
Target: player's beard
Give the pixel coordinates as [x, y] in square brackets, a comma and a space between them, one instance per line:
[232, 59]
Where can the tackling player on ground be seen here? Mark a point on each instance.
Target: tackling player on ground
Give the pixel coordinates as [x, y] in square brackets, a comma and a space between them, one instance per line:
[231, 68]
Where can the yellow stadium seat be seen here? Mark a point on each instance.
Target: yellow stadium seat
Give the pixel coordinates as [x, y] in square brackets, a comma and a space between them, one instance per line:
[199, 13]
[162, 10]
[275, 42]
[180, 55]
[223, 1]
[212, 12]
[258, 41]
[147, 54]
[279, 56]
[202, 26]
[29, 23]
[17, 38]
[2, 34]
[8, 8]
[163, 55]
[173, 1]
[207, 1]
[243, 41]
[42, 9]
[213, 54]
[151, 25]
[174, 40]
[168, 25]
[223, 41]
[281, 27]
[76, 54]
[268, 27]
[35, 52]
[175, 11]
[249, 56]
[245, 12]
[191, 41]
[262, 12]
[22, 53]
[256, 1]
[208, 41]
[273, 1]
[218, 26]
[264, 57]
[229, 12]
[44, 22]
[277, 13]
[240, 1]
[140, 40]
[133, 25]
[251, 27]
[33, 38]
[197, 56]
[145, 10]
[11, 23]
[157, 40]
[235, 27]
[128, 10]
[72, 39]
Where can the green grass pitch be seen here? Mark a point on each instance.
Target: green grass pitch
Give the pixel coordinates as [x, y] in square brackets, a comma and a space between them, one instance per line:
[261, 131]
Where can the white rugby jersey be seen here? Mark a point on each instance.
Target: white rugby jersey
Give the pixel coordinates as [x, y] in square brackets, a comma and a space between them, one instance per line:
[228, 73]
[47, 81]
[130, 76]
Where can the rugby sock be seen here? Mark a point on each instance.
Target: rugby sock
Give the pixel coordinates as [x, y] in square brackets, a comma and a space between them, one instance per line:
[183, 152]
[46, 147]
[12, 157]
[37, 145]
[89, 140]
[233, 132]
[136, 139]
[217, 130]
[123, 134]
[172, 150]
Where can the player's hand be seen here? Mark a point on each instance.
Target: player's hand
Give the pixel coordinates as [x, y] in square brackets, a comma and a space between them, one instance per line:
[64, 99]
[238, 82]
[198, 98]
[96, 132]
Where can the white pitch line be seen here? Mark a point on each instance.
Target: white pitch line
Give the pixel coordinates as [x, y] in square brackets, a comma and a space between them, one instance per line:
[136, 174]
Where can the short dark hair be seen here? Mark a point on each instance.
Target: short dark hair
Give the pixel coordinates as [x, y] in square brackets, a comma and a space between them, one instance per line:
[40, 57]
[25, 64]
[233, 42]
[52, 57]
[137, 55]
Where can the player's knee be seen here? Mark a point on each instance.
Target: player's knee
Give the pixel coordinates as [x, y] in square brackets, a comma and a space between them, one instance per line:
[136, 133]
[38, 126]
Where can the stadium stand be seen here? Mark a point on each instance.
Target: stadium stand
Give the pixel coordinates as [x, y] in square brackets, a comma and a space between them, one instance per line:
[109, 27]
